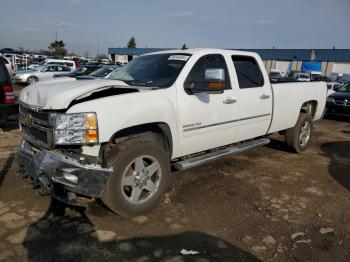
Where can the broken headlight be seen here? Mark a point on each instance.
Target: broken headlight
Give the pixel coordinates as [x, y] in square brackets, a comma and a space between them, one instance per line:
[76, 128]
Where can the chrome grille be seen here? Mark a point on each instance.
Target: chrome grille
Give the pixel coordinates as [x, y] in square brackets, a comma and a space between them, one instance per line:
[37, 127]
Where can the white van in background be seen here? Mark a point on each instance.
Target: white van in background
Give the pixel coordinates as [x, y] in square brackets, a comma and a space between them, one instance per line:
[69, 63]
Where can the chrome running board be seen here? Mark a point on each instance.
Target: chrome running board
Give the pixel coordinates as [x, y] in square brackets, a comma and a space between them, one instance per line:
[211, 156]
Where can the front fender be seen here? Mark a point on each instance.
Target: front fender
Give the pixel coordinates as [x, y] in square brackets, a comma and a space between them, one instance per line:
[118, 112]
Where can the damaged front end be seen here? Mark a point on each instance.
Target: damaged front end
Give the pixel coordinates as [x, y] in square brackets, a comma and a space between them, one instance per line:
[60, 175]
[62, 170]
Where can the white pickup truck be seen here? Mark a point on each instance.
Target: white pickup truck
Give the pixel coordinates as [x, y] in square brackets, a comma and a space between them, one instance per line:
[118, 139]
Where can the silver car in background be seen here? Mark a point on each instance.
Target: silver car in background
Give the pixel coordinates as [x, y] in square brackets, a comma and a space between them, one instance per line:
[40, 73]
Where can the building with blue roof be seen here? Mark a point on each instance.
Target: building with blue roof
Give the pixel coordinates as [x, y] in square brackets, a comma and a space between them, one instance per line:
[327, 61]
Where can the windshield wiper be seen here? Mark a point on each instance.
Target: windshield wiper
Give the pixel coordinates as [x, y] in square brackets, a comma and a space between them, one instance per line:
[140, 82]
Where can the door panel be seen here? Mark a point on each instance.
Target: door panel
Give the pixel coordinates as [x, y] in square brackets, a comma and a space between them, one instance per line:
[206, 120]
[255, 98]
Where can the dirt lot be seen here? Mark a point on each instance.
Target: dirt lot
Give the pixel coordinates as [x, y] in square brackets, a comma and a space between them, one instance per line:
[267, 204]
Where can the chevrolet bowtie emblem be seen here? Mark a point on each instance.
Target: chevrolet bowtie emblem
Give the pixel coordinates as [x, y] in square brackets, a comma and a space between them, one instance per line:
[27, 119]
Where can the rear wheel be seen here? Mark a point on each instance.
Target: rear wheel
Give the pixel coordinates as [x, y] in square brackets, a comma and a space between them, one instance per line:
[141, 174]
[32, 80]
[300, 136]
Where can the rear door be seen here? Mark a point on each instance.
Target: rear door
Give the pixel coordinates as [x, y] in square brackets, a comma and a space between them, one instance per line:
[254, 97]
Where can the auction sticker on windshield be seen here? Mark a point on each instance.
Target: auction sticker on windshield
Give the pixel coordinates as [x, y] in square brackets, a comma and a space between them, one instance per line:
[179, 57]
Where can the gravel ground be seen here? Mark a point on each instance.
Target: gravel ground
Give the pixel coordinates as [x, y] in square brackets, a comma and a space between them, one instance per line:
[267, 204]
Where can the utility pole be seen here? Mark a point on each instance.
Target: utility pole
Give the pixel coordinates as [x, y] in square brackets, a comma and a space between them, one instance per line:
[56, 27]
[98, 50]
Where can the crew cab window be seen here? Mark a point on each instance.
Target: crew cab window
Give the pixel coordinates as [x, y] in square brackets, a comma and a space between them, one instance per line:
[248, 72]
[197, 74]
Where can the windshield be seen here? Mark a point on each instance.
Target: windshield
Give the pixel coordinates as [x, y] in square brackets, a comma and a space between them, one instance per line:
[345, 88]
[159, 70]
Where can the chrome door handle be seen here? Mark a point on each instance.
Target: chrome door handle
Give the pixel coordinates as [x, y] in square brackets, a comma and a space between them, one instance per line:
[264, 96]
[229, 101]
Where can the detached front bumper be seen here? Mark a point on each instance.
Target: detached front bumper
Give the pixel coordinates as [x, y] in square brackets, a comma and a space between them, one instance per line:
[56, 172]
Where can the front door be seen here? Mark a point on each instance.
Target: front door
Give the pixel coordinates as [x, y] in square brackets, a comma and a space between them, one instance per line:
[206, 120]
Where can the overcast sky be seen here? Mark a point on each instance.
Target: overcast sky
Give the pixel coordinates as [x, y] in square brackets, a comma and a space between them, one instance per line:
[166, 23]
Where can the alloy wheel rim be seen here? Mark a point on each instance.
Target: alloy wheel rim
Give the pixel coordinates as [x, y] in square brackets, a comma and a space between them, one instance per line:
[141, 179]
[305, 133]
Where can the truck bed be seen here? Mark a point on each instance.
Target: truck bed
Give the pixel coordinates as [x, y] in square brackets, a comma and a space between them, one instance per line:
[289, 96]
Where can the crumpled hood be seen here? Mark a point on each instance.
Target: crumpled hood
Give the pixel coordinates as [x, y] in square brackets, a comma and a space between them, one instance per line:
[59, 94]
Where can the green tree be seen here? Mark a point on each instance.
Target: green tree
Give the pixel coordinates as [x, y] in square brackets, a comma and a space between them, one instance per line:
[57, 48]
[132, 43]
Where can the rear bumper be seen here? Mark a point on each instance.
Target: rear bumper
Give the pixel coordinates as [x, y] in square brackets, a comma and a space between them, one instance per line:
[7, 110]
[53, 170]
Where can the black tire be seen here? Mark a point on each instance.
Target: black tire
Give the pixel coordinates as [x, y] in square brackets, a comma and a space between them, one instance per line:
[292, 135]
[120, 156]
[32, 80]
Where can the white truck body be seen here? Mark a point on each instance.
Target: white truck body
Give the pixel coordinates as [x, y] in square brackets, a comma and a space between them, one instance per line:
[149, 128]
[250, 117]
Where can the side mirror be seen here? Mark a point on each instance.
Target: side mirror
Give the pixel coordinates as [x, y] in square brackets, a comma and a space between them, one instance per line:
[214, 82]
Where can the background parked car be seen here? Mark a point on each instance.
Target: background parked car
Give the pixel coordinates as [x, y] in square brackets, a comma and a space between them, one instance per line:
[62, 62]
[332, 87]
[34, 61]
[275, 76]
[40, 73]
[81, 71]
[8, 102]
[338, 103]
[302, 77]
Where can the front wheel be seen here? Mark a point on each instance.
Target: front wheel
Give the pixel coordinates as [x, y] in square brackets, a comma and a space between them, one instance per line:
[299, 137]
[32, 80]
[141, 167]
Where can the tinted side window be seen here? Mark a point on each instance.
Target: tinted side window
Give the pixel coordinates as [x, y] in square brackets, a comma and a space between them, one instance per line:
[248, 72]
[197, 74]
[52, 68]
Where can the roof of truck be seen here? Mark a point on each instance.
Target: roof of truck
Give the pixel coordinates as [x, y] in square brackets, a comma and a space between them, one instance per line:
[335, 55]
[201, 50]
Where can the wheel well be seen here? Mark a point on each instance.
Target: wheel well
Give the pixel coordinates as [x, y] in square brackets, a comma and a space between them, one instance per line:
[309, 107]
[32, 77]
[159, 128]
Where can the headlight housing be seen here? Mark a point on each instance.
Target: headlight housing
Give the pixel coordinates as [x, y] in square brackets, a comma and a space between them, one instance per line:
[76, 128]
[330, 99]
